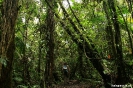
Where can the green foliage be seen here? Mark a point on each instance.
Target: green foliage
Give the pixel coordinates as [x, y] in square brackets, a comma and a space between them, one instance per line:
[3, 60]
[31, 37]
[128, 59]
[22, 86]
[20, 45]
[18, 79]
[1, 2]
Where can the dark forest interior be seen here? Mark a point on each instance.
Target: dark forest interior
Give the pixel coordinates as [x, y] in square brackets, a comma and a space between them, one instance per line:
[66, 43]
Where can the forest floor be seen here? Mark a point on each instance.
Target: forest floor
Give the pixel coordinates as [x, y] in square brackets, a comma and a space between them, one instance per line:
[76, 84]
[72, 86]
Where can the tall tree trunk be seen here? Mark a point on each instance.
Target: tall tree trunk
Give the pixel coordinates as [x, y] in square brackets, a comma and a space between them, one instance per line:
[110, 32]
[80, 63]
[122, 77]
[128, 31]
[39, 61]
[24, 60]
[0, 42]
[25, 73]
[40, 58]
[9, 16]
[50, 44]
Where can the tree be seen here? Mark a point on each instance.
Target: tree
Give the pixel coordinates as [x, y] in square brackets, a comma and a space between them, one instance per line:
[118, 44]
[50, 27]
[9, 12]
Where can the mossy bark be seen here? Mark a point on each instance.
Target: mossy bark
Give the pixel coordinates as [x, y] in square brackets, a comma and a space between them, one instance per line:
[9, 12]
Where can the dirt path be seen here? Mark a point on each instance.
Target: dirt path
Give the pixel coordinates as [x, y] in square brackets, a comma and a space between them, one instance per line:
[73, 86]
[76, 85]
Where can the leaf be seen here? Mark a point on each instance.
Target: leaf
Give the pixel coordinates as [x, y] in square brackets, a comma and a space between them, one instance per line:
[18, 79]
[3, 61]
[22, 86]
